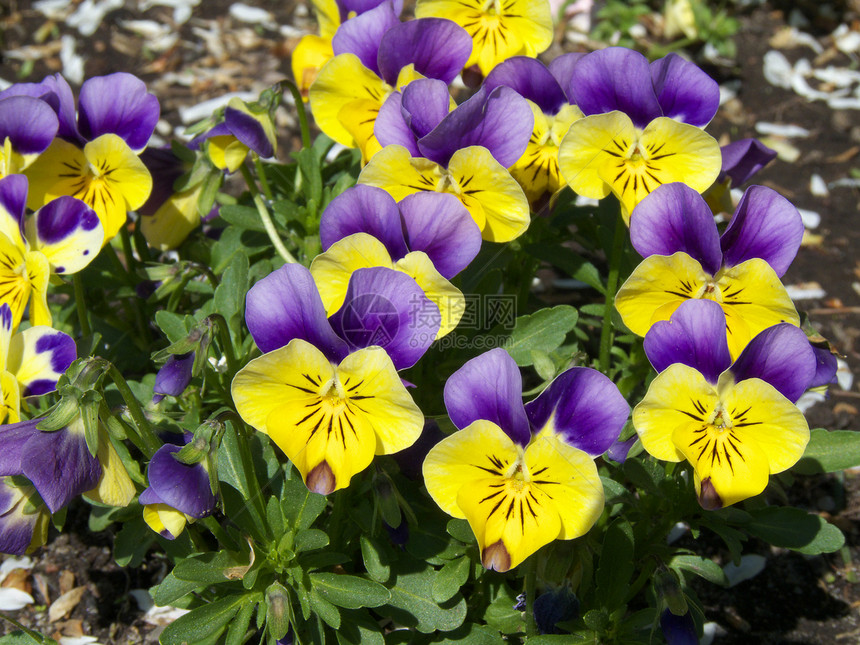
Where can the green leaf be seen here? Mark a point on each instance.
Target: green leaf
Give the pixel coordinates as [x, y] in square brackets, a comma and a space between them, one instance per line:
[829, 451]
[301, 507]
[205, 568]
[702, 567]
[570, 262]
[204, 622]
[413, 594]
[309, 167]
[132, 542]
[359, 628]
[310, 539]
[793, 528]
[460, 530]
[543, 331]
[22, 638]
[644, 473]
[350, 592]
[616, 565]
[325, 610]
[501, 614]
[450, 578]
[173, 325]
[171, 589]
[376, 558]
[239, 626]
[230, 294]
[242, 216]
[471, 634]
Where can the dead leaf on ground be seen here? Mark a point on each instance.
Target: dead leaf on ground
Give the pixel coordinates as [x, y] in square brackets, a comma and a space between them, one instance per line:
[65, 603]
[842, 157]
[18, 579]
[67, 581]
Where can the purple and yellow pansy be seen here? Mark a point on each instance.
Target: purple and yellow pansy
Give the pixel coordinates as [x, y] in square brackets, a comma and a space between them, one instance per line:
[61, 238]
[326, 390]
[464, 152]
[523, 476]
[642, 126]
[686, 258]
[95, 155]
[734, 422]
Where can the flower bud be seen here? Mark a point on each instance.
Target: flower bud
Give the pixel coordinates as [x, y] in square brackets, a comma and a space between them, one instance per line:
[174, 376]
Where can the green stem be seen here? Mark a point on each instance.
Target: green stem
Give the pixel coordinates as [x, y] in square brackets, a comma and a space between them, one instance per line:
[226, 343]
[268, 224]
[218, 531]
[530, 585]
[261, 175]
[144, 430]
[36, 636]
[126, 249]
[303, 116]
[255, 493]
[611, 289]
[81, 305]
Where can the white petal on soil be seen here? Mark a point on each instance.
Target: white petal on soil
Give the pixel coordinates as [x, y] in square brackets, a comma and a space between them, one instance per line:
[818, 187]
[781, 129]
[12, 599]
[810, 398]
[142, 598]
[53, 9]
[844, 103]
[837, 76]
[250, 15]
[181, 8]
[10, 564]
[159, 37]
[163, 615]
[73, 64]
[677, 532]
[89, 15]
[79, 640]
[777, 70]
[805, 291]
[845, 182]
[846, 40]
[751, 565]
[205, 109]
[811, 219]
[844, 376]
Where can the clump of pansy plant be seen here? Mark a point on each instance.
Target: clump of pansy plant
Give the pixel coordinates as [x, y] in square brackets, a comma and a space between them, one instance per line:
[339, 400]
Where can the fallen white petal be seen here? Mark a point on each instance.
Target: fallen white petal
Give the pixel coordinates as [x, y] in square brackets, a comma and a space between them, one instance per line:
[89, 15]
[845, 182]
[818, 187]
[249, 14]
[78, 640]
[53, 9]
[163, 615]
[142, 598]
[777, 70]
[751, 565]
[811, 219]
[10, 564]
[805, 291]
[846, 41]
[844, 376]
[781, 129]
[844, 103]
[838, 76]
[12, 599]
[73, 64]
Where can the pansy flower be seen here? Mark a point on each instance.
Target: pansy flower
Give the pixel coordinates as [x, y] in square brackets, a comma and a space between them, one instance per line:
[428, 236]
[523, 476]
[24, 519]
[241, 131]
[62, 237]
[312, 51]
[642, 126]
[544, 87]
[326, 390]
[741, 160]
[685, 257]
[464, 152]
[374, 55]
[95, 157]
[31, 362]
[27, 127]
[734, 422]
[178, 493]
[499, 29]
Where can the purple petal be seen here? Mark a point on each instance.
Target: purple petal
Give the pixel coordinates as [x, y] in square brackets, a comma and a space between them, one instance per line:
[119, 104]
[684, 91]
[249, 131]
[16, 528]
[174, 376]
[148, 497]
[364, 209]
[181, 486]
[765, 225]
[59, 96]
[825, 367]
[30, 124]
[695, 335]
[347, 7]
[489, 387]
[678, 630]
[62, 218]
[286, 305]
[675, 218]
[561, 68]
[387, 308]
[744, 158]
[780, 355]
[391, 129]
[529, 78]
[584, 407]
[13, 438]
[437, 47]
[615, 78]
[5, 319]
[60, 466]
[62, 352]
[424, 104]
[500, 120]
[13, 198]
[362, 35]
[618, 451]
[439, 225]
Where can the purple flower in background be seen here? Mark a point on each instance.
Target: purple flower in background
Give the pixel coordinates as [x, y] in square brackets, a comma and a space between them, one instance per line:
[678, 630]
[173, 377]
[177, 493]
[742, 159]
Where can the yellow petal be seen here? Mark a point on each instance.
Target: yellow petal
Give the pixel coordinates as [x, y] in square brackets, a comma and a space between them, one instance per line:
[591, 144]
[331, 270]
[448, 298]
[359, 118]
[678, 400]
[328, 17]
[38, 275]
[15, 285]
[399, 174]
[115, 487]
[656, 288]
[9, 411]
[226, 152]
[162, 518]
[342, 80]
[476, 452]
[308, 57]
[174, 220]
